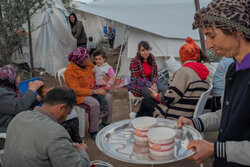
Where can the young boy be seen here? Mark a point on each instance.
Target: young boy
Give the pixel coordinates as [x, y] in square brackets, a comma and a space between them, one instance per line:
[72, 123]
[91, 46]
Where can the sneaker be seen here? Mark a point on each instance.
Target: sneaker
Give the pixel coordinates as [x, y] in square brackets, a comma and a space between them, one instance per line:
[93, 135]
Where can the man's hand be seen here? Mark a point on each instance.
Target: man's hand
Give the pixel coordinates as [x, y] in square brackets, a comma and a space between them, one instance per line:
[153, 93]
[81, 146]
[33, 86]
[184, 121]
[100, 91]
[203, 149]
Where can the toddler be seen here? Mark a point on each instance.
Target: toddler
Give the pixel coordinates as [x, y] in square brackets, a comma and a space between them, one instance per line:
[104, 76]
[91, 46]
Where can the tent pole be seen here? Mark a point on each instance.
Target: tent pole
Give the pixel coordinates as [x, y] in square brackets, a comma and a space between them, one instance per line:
[202, 39]
[119, 59]
[30, 47]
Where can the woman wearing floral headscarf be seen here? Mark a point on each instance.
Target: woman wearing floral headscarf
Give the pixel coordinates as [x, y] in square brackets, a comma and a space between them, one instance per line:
[226, 25]
[12, 101]
[186, 86]
[79, 76]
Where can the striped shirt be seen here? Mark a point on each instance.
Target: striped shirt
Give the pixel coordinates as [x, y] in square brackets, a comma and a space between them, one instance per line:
[181, 98]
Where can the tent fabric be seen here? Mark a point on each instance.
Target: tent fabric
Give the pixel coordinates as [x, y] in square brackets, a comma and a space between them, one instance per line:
[54, 40]
[157, 43]
[121, 32]
[51, 38]
[166, 18]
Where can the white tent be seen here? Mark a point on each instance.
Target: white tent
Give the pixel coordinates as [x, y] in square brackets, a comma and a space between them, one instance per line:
[51, 37]
[54, 40]
[163, 23]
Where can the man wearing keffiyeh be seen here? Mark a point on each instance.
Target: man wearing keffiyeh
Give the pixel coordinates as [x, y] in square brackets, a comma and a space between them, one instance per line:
[226, 25]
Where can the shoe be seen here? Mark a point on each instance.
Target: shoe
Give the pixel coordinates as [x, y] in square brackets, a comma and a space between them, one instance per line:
[101, 125]
[93, 135]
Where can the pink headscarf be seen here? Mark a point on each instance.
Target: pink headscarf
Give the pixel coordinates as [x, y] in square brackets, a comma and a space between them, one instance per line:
[8, 79]
[79, 55]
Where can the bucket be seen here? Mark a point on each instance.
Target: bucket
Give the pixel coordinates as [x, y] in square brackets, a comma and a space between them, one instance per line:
[141, 126]
[161, 141]
[141, 151]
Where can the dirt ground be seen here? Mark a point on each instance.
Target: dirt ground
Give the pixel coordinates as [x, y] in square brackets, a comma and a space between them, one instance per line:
[120, 112]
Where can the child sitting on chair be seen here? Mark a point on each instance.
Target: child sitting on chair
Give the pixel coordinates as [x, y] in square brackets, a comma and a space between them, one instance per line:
[72, 123]
[104, 77]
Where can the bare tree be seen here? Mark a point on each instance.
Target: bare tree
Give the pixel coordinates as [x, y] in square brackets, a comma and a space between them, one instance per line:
[13, 14]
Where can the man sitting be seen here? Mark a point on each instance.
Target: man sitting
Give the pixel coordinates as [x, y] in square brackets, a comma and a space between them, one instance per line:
[36, 138]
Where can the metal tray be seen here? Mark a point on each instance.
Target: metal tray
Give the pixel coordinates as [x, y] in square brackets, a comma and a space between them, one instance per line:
[117, 141]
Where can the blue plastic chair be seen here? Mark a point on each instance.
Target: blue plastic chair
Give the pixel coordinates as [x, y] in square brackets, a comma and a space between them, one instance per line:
[24, 85]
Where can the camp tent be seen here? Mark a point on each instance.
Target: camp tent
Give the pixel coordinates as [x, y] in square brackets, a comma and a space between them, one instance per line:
[51, 37]
[163, 23]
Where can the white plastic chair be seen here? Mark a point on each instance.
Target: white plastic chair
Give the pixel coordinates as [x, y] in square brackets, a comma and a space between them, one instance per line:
[60, 75]
[163, 74]
[81, 116]
[132, 98]
[79, 110]
[199, 109]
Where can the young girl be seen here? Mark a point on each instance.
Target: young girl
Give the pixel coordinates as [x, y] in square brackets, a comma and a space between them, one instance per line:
[104, 73]
[143, 72]
[104, 77]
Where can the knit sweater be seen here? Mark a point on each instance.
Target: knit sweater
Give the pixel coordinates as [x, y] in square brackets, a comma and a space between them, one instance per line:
[186, 87]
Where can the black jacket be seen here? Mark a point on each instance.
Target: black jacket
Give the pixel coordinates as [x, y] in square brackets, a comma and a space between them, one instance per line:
[235, 119]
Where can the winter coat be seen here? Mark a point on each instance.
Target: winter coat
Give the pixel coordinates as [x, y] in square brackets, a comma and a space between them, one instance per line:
[79, 33]
[82, 81]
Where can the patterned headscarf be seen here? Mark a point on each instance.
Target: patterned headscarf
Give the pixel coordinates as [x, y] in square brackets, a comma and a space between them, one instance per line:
[8, 78]
[189, 51]
[226, 14]
[79, 55]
